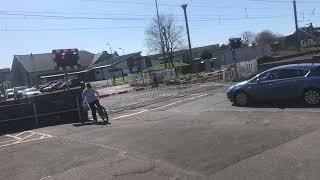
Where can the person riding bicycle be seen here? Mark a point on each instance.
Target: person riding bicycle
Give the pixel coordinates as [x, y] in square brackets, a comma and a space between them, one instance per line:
[91, 97]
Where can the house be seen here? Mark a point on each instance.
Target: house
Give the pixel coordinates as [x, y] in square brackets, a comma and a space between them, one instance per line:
[309, 37]
[245, 58]
[245, 54]
[105, 66]
[117, 66]
[183, 56]
[5, 79]
[4, 74]
[212, 57]
[27, 69]
[313, 57]
[103, 56]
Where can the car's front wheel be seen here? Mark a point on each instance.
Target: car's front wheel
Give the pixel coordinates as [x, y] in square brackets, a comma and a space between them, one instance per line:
[311, 97]
[241, 99]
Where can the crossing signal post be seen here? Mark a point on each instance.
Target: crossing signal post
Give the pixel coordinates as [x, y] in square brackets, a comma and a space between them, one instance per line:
[66, 60]
[235, 44]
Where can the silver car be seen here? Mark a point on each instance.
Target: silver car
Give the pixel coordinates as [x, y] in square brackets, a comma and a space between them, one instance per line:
[9, 94]
[30, 92]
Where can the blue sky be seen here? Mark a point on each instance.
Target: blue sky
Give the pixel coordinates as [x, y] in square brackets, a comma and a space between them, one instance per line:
[32, 26]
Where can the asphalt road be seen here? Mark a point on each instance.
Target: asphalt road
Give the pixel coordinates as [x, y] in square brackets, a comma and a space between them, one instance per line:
[201, 136]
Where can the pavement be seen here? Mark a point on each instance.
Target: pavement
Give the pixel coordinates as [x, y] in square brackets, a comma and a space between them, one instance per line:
[108, 91]
[199, 136]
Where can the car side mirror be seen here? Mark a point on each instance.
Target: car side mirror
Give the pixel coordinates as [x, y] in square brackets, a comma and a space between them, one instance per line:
[258, 80]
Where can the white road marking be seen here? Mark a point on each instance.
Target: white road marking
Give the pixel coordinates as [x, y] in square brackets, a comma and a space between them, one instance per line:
[128, 115]
[45, 178]
[166, 105]
[7, 141]
[25, 137]
[19, 140]
[196, 97]
[120, 152]
[21, 133]
[13, 136]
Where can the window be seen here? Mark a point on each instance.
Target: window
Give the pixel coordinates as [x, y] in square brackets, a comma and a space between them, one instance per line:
[304, 72]
[315, 72]
[292, 73]
[270, 76]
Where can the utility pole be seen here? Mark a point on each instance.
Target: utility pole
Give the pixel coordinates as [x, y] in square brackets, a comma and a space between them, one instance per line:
[184, 7]
[160, 34]
[297, 26]
[235, 44]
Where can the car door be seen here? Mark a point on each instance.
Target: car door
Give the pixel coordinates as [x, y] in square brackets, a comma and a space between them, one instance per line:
[261, 88]
[287, 84]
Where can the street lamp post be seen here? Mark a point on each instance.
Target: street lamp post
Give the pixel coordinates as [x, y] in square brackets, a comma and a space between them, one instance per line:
[122, 50]
[184, 7]
[108, 44]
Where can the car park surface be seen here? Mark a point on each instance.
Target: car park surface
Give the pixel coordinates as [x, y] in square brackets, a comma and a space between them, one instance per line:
[199, 136]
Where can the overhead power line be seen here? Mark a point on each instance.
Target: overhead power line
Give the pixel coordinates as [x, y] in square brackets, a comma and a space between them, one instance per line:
[60, 13]
[290, 2]
[271, 1]
[203, 5]
[59, 17]
[67, 29]
[139, 3]
[25, 16]
[74, 13]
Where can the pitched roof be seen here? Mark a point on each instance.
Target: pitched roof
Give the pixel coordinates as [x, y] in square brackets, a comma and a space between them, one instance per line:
[101, 57]
[116, 60]
[44, 62]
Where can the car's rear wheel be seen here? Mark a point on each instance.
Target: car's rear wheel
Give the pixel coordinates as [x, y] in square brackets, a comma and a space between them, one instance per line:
[241, 99]
[311, 96]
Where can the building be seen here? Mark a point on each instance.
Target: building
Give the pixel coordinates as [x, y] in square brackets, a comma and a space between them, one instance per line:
[105, 66]
[117, 66]
[309, 37]
[27, 69]
[5, 79]
[244, 54]
[4, 74]
[197, 54]
[213, 57]
[313, 57]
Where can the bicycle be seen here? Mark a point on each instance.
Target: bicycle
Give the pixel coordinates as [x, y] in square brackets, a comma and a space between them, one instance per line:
[103, 114]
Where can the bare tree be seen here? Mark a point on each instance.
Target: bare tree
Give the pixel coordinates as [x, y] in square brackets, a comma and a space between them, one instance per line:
[247, 37]
[165, 40]
[266, 37]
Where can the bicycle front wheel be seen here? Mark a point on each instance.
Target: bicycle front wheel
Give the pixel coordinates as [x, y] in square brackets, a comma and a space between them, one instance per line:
[103, 114]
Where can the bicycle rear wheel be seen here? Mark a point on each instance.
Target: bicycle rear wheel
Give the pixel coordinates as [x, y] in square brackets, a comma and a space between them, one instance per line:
[103, 114]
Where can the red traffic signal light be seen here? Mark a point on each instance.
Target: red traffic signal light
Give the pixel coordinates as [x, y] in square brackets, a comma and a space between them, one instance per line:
[62, 57]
